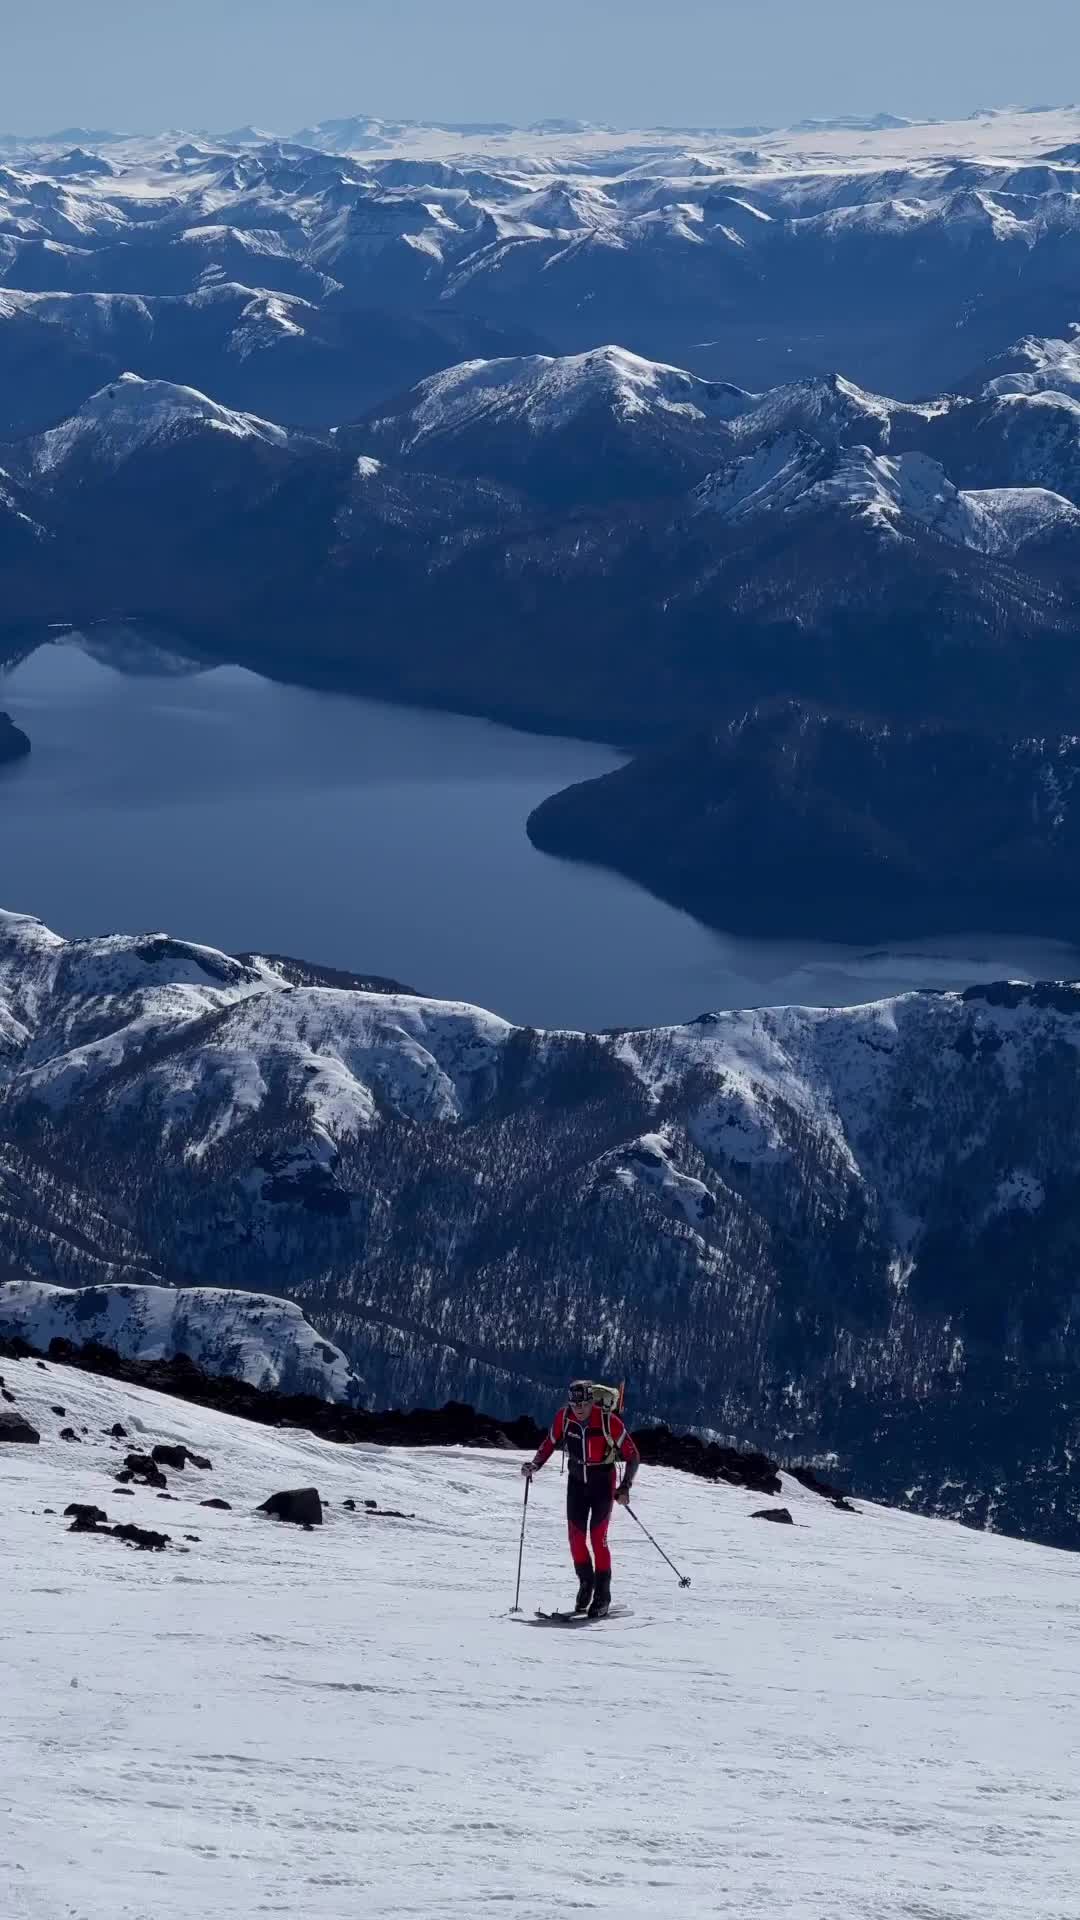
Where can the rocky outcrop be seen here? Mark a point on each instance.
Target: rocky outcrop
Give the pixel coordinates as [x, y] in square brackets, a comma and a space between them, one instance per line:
[15, 1431]
[455, 1424]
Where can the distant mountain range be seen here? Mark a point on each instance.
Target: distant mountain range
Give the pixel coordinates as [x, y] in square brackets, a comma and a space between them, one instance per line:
[905, 254]
[853, 1229]
[593, 543]
[547, 425]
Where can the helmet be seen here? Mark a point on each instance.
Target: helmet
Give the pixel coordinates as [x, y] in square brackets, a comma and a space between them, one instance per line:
[590, 1393]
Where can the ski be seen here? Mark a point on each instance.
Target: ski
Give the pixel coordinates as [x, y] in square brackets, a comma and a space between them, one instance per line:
[559, 1618]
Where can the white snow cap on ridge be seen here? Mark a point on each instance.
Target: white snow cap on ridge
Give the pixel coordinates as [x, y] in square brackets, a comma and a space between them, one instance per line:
[131, 413]
[828, 406]
[253, 1337]
[794, 473]
[543, 393]
[1046, 366]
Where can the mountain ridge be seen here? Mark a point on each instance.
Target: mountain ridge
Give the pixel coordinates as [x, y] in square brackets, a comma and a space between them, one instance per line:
[806, 1227]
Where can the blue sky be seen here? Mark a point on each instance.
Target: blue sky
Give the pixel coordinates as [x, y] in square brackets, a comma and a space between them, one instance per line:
[282, 63]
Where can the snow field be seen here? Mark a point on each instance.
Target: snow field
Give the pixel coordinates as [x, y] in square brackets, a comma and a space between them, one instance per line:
[862, 1715]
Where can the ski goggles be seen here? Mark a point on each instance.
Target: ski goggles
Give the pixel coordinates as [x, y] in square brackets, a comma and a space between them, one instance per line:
[580, 1393]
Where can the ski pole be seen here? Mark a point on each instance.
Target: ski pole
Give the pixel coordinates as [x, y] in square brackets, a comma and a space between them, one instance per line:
[521, 1545]
[684, 1578]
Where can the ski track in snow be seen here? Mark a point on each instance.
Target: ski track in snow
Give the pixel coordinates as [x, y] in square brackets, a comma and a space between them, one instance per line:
[853, 1717]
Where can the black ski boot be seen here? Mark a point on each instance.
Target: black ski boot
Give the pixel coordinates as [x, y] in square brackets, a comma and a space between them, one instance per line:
[585, 1586]
[601, 1599]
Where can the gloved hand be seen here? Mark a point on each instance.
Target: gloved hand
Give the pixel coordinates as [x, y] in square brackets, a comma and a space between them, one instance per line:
[529, 1468]
[622, 1494]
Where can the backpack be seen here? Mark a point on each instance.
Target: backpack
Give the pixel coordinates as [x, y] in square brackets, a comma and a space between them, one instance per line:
[609, 1400]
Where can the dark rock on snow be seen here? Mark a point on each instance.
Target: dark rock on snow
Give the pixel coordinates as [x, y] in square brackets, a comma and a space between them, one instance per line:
[69, 1433]
[141, 1467]
[144, 1537]
[301, 1506]
[779, 1514]
[13, 1428]
[224, 1505]
[85, 1516]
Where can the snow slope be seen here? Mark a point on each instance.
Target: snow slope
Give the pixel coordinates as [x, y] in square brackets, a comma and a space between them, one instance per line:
[246, 1336]
[860, 1715]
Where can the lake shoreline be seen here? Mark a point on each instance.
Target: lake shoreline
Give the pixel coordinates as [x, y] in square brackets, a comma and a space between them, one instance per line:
[389, 839]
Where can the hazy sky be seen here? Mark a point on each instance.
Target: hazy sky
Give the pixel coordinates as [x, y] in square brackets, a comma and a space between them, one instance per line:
[282, 63]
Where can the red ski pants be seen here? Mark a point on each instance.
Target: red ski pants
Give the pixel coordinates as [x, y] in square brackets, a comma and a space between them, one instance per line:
[588, 1504]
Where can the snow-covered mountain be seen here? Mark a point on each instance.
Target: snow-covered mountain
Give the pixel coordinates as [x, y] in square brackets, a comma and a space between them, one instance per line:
[910, 252]
[607, 512]
[1039, 366]
[843, 1230]
[796, 474]
[261, 351]
[131, 415]
[247, 1336]
[906, 1690]
[1012, 439]
[834, 412]
[591, 425]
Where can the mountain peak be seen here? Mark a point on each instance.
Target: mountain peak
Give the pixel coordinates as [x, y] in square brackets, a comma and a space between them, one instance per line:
[543, 393]
[131, 413]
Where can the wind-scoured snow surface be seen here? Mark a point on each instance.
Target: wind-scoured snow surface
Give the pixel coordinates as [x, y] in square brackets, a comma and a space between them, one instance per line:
[246, 1336]
[858, 1715]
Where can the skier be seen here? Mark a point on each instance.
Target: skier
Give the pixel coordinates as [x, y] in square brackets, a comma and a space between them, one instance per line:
[594, 1436]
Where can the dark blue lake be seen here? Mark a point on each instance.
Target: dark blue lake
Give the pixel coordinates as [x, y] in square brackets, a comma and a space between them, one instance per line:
[234, 810]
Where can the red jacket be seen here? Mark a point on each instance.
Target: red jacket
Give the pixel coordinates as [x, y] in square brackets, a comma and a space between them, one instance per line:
[592, 1443]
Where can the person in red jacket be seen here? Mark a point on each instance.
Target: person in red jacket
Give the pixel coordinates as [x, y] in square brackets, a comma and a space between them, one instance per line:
[594, 1437]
